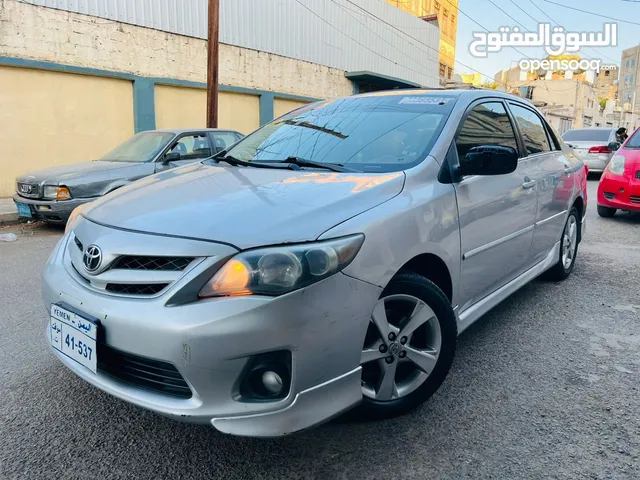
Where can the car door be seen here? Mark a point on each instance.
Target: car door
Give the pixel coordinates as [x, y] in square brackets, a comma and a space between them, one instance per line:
[496, 213]
[551, 171]
[186, 149]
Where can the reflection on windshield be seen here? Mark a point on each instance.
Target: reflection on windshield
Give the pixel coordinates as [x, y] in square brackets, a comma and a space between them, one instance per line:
[367, 133]
[360, 182]
[139, 148]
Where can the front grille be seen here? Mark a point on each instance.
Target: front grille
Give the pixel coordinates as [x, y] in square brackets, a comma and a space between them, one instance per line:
[635, 199]
[28, 190]
[78, 243]
[136, 289]
[167, 264]
[154, 375]
[609, 195]
[638, 174]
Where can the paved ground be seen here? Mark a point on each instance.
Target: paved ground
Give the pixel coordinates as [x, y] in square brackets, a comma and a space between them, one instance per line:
[8, 212]
[545, 386]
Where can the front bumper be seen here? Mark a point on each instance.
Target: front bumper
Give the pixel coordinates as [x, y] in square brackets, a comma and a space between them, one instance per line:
[211, 341]
[623, 194]
[53, 211]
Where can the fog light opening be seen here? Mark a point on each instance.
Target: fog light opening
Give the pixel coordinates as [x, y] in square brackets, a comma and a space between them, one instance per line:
[267, 377]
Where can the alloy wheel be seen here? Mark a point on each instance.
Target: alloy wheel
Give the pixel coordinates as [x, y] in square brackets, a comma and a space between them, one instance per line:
[401, 347]
[569, 242]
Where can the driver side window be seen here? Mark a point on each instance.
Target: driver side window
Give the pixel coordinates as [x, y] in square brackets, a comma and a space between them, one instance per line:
[192, 147]
[486, 124]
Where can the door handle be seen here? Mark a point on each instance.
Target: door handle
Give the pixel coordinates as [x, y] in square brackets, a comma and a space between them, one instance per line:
[528, 184]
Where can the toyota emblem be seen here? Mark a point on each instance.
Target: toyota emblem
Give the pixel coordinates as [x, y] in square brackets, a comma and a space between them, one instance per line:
[92, 258]
[25, 188]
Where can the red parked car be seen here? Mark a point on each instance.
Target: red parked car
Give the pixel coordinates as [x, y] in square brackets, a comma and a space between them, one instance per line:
[619, 187]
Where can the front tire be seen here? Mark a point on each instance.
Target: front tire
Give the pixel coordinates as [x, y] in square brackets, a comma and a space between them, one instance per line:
[409, 347]
[606, 212]
[568, 249]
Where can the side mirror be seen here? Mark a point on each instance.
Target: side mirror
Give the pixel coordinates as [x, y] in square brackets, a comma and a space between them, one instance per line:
[614, 146]
[489, 160]
[170, 157]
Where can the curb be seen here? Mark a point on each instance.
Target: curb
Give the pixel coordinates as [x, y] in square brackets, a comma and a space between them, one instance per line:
[9, 219]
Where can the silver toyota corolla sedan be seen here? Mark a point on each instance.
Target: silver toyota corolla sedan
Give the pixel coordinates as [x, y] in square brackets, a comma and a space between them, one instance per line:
[327, 261]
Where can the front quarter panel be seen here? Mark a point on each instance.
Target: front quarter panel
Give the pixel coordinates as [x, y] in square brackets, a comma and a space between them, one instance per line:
[423, 219]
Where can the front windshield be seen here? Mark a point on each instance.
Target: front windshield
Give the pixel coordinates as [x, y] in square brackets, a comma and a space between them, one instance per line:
[634, 141]
[139, 148]
[383, 133]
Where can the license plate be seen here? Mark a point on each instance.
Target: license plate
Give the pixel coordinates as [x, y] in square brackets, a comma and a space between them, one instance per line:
[23, 210]
[74, 337]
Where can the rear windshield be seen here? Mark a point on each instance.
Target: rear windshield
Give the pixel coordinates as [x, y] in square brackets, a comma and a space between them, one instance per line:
[384, 133]
[586, 135]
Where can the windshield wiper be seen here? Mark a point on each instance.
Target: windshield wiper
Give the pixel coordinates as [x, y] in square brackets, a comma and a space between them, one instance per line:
[237, 162]
[303, 162]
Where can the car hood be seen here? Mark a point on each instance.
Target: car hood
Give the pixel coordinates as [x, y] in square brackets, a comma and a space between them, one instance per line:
[244, 207]
[69, 175]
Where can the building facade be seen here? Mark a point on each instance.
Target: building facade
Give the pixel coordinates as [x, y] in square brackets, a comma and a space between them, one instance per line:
[78, 78]
[447, 15]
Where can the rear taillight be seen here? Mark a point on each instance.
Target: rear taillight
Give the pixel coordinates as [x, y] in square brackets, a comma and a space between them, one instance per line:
[600, 149]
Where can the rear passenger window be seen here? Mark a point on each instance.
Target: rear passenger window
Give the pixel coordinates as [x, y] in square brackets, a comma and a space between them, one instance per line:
[533, 132]
[487, 124]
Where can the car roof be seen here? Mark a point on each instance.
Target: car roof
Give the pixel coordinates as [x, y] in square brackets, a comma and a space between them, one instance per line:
[591, 128]
[179, 131]
[462, 93]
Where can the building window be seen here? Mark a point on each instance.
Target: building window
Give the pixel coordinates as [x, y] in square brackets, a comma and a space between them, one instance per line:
[443, 70]
[627, 63]
[445, 22]
[607, 73]
[631, 79]
[453, 26]
[437, 8]
[633, 63]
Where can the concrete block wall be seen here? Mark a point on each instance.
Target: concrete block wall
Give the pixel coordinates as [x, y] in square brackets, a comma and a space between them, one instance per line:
[45, 34]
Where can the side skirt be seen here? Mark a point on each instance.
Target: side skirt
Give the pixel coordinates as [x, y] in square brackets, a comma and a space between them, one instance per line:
[474, 312]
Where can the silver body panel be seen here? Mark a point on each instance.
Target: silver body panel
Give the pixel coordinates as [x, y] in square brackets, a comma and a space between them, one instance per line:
[595, 161]
[494, 234]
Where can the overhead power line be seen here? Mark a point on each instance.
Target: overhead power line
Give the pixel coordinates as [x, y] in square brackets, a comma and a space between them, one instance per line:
[416, 39]
[356, 41]
[555, 22]
[591, 13]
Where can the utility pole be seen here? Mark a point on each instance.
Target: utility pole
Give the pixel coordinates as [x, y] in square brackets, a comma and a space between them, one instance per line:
[213, 63]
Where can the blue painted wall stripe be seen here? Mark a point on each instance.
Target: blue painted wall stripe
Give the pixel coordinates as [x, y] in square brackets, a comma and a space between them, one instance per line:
[266, 107]
[144, 114]
[144, 105]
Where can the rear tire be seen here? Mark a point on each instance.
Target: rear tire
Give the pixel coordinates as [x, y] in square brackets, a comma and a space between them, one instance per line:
[568, 249]
[422, 362]
[606, 212]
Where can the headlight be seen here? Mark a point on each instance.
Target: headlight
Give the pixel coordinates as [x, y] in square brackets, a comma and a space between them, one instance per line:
[56, 193]
[73, 219]
[616, 165]
[278, 270]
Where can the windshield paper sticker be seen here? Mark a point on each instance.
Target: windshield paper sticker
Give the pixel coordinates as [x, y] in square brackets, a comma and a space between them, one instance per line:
[423, 100]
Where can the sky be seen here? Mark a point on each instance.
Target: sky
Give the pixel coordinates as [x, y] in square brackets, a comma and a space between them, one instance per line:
[490, 17]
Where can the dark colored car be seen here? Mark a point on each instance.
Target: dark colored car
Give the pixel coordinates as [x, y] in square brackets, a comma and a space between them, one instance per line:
[52, 194]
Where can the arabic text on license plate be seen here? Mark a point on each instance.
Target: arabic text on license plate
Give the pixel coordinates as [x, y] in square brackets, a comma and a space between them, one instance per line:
[74, 337]
[23, 210]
